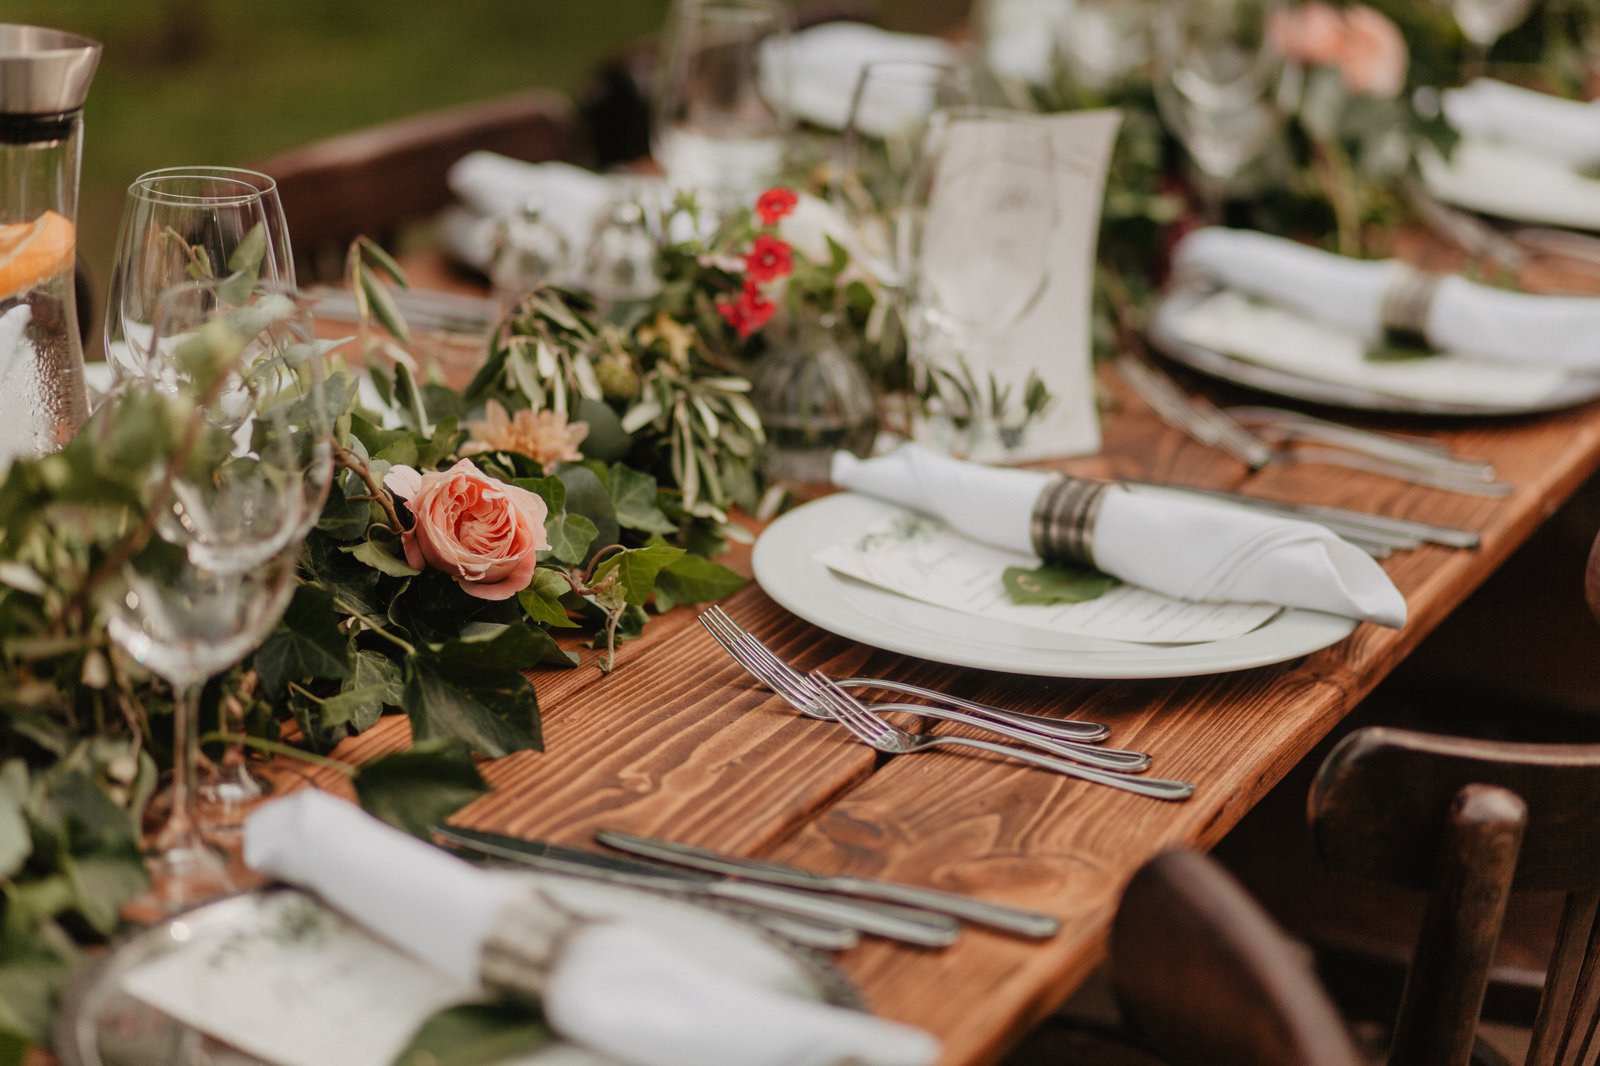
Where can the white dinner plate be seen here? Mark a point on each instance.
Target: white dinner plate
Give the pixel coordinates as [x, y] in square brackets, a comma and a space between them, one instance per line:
[101, 1025]
[1171, 306]
[786, 570]
[1513, 183]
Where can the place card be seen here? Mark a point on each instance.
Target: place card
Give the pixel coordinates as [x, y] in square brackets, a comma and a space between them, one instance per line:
[298, 985]
[926, 560]
[1052, 339]
[1238, 325]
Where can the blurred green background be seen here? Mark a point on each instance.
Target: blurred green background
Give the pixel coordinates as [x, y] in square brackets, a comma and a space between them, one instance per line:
[231, 81]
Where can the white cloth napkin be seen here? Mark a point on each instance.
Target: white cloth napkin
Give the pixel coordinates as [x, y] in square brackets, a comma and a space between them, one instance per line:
[1565, 130]
[615, 987]
[1191, 549]
[825, 63]
[492, 186]
[1464, 318]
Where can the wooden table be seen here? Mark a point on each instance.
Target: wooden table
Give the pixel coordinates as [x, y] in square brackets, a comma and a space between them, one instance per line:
[680, 743]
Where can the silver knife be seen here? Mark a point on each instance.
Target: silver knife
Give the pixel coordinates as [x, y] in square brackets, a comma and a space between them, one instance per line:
[997, 916]
[893, 922]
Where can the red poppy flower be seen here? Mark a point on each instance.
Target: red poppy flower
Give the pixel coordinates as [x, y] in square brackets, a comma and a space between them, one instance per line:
[769, 259]
[774, 204]
[748, 312]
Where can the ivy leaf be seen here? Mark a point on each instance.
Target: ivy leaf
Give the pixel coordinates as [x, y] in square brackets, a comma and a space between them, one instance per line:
[542, 599]
[306, 644]
[102, 882]
[421, 786]
[344, 518]
[633, 497]
[476, 1034]
[570, 537]
[636, 569]
[15, 842]
[375, 683]
[382, 559]
[588, 497]
[1055, 584]
[696, 579]
[474, 689]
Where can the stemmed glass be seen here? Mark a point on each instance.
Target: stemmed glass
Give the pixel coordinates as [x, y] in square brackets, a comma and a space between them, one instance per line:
[1102, 42]
[982, 212]
[1218, 78]
[1483, 22]
[230, 512]
[881, 148]
[182, 223]
[721, 117]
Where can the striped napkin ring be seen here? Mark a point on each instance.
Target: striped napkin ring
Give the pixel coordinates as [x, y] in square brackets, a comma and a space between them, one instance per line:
[1062, 525]
[1406, 303]
[524, 943]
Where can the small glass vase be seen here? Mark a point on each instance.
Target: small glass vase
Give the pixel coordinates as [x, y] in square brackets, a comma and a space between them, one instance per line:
[813, 398]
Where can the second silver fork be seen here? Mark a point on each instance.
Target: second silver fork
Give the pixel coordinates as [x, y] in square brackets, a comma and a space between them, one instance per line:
[800, 692]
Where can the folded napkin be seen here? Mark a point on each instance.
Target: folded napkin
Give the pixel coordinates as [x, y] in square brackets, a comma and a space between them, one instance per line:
[1462, 317]
[611, 986]
[825, 63]
[1190, 549]
[492, 187]
[1564, 130]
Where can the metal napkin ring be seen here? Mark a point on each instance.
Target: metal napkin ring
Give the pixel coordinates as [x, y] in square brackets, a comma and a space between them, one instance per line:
[1406, 303]
[522, 947]
[1062, 525]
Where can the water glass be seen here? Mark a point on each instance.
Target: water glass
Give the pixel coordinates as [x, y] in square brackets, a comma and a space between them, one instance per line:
[721, 118]
[181, 223]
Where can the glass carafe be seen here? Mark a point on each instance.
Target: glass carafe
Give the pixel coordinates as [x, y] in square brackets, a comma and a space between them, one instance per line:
[44, 78]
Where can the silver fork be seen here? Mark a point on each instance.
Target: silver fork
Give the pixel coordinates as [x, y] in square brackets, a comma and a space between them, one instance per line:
[1054, 728]
[876, 733]
[800, 694]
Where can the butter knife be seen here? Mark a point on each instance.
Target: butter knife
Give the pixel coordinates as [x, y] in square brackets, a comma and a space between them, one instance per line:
[1025, 923]
[905, 924]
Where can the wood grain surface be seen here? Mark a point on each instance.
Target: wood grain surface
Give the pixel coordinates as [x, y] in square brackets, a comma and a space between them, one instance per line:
[678, 742]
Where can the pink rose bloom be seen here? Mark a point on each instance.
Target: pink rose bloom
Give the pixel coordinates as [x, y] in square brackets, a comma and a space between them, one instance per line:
[1374, 57]
[1312, 33]
[482, 532]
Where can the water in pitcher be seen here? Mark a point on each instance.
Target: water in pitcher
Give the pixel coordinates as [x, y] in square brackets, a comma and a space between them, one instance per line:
[41, 394]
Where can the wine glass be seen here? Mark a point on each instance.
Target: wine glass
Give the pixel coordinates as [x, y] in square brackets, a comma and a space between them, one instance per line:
[721, 114]
[181, 223]
[1217, 82]
[880, 149]
[230, 511]
[1483, 22]
[982, 213]
[1102, 42]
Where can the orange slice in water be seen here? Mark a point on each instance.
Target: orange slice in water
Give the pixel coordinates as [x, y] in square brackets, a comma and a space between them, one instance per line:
[30, 252]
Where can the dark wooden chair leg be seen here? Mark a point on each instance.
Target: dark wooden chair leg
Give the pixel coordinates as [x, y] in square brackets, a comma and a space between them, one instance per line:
[1450, 969]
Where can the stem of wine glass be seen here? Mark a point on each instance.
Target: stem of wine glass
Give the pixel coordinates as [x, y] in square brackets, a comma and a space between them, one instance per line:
[183, 866]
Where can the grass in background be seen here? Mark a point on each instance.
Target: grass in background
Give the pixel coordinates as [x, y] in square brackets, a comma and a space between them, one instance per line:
[230, 81]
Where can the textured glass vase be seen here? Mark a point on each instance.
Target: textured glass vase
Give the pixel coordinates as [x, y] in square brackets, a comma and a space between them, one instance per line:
[814, 399]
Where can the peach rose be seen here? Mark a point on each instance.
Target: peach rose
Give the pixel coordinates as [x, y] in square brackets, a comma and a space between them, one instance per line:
[482, 532]
[1312, 33]
[1374, 58]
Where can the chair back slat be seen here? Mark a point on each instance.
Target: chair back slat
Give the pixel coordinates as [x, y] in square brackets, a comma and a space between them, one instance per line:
[375, 180]
[1381, 799]
[1205, 977]
[1449, 971]
[1554, 1020]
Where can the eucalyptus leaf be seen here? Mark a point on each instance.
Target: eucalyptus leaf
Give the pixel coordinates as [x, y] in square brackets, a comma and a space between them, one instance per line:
[1055, 584]
[382, 304]
[15, 842]
[606, 440]
[420, 787]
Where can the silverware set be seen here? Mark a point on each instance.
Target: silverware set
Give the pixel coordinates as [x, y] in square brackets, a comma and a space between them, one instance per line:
[829, 912]
[1266, 436]
[1039, 741]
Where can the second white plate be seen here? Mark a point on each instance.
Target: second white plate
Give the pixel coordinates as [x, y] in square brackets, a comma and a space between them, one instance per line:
[785, 569]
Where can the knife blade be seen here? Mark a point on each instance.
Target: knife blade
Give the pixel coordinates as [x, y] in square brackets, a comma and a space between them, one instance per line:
[1025, 923]
[911, 926]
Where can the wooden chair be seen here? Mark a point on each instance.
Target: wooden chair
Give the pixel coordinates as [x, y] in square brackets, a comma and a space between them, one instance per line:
[1469, 821]
[1203, 978]
[376, 180]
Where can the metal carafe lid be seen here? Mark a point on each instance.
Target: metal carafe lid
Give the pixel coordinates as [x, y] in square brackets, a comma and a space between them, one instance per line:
[44, 71]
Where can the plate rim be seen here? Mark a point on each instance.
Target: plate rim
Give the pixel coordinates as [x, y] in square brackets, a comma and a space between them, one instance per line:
[1576, 390]
[785, 569]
